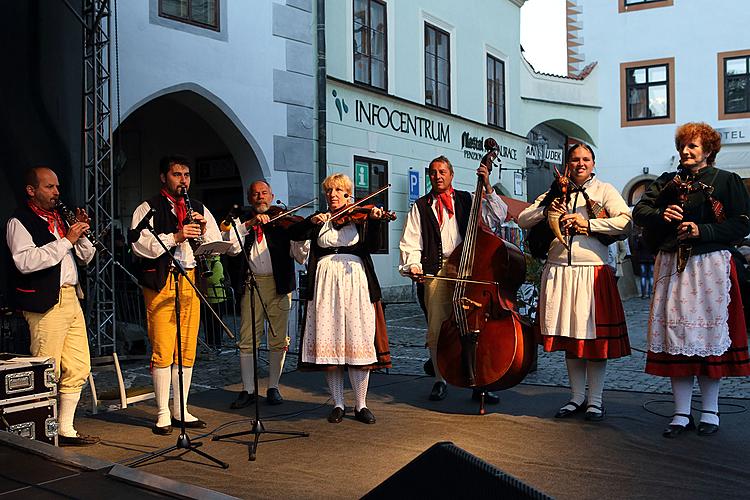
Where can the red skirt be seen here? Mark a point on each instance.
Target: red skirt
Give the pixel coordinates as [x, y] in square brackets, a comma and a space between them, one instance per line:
[611, 330]
[735, 362]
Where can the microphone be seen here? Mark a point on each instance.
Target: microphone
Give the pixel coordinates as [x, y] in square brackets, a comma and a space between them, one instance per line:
[134, 234]
[279, 202]
[226, 224]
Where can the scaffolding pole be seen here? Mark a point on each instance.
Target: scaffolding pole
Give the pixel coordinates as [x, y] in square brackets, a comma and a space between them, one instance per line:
[98, 172]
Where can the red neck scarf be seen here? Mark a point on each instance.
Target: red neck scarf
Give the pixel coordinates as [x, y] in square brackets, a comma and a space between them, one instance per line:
[52, 217]
[258, 233]
[444, 200]
[180, 209]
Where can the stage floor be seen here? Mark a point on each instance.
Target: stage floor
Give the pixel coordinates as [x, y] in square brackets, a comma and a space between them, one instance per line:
[624, 456]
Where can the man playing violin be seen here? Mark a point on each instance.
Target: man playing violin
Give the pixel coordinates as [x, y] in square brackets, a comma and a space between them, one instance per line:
[47, 288]
[174, 227]
[271, 255]
[344, 323]
[435, 226]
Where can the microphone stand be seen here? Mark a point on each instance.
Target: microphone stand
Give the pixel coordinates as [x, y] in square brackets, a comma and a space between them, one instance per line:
[257, 425]
[183, 440]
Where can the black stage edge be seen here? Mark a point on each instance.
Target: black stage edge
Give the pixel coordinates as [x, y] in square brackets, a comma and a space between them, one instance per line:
[32, 469]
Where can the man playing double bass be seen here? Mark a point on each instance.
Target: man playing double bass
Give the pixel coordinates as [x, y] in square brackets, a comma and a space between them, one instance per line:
[435, 226]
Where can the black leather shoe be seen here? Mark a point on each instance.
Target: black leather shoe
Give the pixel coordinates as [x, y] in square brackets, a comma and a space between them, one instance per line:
[194, 424]
[490, 398]
[273, 396]
[565, 412]
[439, 391]
[336, 415]
[428, 368]
[365, 416]
[244, 399]
[79, 440]
[162, 431]
[705, 429]
[594, 416]
[674, 430]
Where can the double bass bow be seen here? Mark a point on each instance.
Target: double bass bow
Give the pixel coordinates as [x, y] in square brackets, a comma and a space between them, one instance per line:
[484, 344]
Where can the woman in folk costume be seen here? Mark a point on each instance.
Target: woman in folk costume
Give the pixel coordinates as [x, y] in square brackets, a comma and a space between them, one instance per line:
[344, 323]
[697, 324]
[579, 307]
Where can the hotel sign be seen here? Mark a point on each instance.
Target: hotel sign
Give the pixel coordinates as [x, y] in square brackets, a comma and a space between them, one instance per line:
[541, 153]
[473, 148]
[734, 135]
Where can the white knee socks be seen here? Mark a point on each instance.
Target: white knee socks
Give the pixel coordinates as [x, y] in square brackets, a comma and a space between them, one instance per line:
[577, 376]
[162, 379]
[335, 379]
[187, 376]
[433, 356]
[275, 367]
[66, 413]
[595, 371]
[247, 372]
[709, 399]
[682, 388]
[359, 379]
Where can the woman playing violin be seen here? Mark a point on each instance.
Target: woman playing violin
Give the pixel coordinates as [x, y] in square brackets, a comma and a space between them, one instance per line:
[344, 324]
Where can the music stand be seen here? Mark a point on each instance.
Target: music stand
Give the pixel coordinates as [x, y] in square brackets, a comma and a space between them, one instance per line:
[183, 440]
[257, 427]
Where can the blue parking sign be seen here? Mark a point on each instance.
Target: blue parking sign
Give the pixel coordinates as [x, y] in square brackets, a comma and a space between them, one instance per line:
[413, 185]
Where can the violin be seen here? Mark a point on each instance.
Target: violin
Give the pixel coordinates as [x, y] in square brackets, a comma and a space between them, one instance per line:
[360, 215]
[279, 217]
[359, 212]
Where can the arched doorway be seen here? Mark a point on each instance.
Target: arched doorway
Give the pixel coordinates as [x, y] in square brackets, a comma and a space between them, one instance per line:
[636, 187]
[190, 121]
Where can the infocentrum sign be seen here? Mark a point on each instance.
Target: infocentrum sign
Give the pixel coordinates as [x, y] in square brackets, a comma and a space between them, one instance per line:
[401, 121]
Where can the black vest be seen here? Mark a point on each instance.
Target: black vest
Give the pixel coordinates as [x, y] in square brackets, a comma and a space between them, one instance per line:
[432, 245]
[153, 272]
[277, 240]
[38, 291]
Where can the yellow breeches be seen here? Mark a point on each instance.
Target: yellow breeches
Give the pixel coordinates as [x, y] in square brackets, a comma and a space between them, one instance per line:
[162, 321]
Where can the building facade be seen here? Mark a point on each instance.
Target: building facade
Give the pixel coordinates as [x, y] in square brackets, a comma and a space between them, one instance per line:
[409, 81]
[663, 63]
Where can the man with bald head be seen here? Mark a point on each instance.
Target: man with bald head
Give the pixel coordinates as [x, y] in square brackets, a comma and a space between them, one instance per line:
[46, 288]
[271, 256]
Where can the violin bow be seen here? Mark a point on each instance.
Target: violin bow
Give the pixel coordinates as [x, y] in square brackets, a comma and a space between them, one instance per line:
[292, 210]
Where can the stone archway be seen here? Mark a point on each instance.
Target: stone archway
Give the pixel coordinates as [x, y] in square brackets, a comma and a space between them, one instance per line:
[188, 120]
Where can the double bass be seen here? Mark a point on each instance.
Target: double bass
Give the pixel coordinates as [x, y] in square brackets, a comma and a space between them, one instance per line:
[484, 344]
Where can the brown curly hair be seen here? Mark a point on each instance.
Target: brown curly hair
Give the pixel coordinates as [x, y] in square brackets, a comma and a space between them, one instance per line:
[710, 138]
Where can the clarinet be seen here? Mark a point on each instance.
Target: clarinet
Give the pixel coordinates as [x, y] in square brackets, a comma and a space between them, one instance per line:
[70, 218]
[201, 261]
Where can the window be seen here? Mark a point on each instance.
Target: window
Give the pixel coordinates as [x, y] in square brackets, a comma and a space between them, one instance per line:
[633, 5]
[734, 85]
[495, 92]
[369, 176]
[370, 44]
[647, 92]
[203, 13]
[437, 71]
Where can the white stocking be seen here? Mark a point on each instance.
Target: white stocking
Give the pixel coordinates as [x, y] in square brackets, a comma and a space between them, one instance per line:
[187, 376]
[433, 356]
[275, 367]
[577, 377]
[595, 371]
[682, 388]
[359, 379]
[68, 405]
[162, 378]
[247, 372]
[335, 379]
[709, 399]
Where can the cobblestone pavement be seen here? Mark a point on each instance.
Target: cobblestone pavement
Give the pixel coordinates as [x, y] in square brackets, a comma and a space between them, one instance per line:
[406, 330]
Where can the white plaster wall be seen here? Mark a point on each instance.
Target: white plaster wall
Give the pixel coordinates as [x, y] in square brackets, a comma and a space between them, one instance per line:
[691, 31]
[476, 27]
[237, 71]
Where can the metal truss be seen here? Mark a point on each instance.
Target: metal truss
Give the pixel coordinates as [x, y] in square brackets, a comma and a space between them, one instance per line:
[98, 172]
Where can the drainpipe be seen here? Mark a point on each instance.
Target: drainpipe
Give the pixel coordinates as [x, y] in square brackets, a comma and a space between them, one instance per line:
[321, 91]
